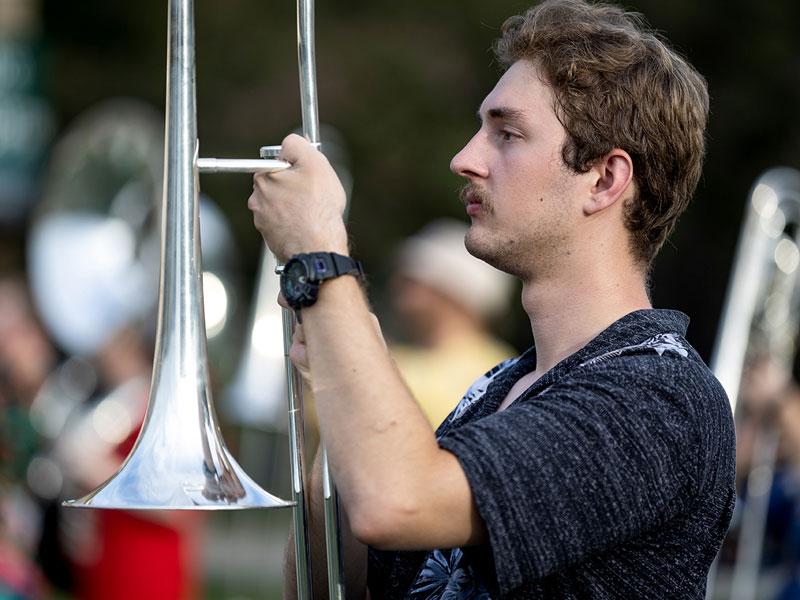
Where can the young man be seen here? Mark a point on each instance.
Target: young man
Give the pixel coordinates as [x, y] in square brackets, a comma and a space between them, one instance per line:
[600, 463]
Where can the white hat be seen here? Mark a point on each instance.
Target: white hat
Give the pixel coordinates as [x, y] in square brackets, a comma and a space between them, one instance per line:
[437, 257]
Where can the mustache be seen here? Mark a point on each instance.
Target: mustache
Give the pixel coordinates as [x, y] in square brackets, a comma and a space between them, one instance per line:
[470, 192]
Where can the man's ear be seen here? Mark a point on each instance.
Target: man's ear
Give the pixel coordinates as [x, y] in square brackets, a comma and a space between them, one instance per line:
[613, 178]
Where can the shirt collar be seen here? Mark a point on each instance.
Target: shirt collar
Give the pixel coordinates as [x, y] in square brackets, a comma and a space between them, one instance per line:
[633, 328]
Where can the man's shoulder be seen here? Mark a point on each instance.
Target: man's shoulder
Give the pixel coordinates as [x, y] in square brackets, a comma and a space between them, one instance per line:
[647, 345]
[664, 361]
[662, 372]
[660, 383]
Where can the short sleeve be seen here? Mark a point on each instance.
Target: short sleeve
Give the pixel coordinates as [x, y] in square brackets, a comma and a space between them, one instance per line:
[601, 457]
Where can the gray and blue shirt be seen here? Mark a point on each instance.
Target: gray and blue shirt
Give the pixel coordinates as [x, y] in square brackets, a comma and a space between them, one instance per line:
[612, 476]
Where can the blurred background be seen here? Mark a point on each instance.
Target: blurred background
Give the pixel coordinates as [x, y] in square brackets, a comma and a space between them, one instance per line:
[399, 83]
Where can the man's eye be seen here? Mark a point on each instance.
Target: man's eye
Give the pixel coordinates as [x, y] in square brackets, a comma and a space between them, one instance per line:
[506, 136]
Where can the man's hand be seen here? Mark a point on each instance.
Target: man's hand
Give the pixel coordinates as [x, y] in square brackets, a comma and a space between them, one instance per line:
[300, 209]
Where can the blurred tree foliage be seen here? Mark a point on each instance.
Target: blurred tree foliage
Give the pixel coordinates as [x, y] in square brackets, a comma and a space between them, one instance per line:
[402, 81]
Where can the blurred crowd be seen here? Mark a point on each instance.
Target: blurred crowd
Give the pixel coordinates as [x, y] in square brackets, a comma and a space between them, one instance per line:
[762, 550]
[26, 359]
[66, 424]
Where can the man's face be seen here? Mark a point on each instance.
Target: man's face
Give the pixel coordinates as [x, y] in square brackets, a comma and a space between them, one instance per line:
[521, 198]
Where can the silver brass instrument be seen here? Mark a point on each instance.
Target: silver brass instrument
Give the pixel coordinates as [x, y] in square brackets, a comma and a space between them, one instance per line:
[762, 308]
[180, 460]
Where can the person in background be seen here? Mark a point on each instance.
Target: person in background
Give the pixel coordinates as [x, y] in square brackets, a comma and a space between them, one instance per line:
[26, 358]
[444, 299]
[768, 451]
[120, 554]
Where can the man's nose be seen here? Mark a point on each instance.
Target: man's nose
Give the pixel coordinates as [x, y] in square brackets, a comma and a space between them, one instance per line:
[468, 162]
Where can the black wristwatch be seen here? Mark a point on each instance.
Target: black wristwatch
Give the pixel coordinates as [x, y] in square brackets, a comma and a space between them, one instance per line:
[304, 273]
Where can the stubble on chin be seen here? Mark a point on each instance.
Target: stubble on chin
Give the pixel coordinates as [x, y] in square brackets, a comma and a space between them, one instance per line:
[484, 246]
[501, 253]
[493, 252]
[481, 241]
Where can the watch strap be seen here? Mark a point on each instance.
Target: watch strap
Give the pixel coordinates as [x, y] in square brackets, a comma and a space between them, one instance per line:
[327, 265]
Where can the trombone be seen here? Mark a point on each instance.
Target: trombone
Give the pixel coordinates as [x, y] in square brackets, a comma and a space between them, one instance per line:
[180, 461]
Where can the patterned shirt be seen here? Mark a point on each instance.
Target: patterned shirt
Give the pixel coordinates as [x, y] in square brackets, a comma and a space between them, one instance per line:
[611, 476]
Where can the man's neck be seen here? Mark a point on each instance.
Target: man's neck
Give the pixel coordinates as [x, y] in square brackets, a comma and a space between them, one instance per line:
[569, 310]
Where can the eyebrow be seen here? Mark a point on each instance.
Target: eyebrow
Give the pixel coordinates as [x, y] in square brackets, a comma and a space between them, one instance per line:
[504, 113]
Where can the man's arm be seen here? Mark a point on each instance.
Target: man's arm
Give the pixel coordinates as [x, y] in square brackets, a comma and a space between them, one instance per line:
[354, 553]
[401, 490]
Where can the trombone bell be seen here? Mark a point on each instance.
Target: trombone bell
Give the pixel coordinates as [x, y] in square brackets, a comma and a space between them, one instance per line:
[179, 461]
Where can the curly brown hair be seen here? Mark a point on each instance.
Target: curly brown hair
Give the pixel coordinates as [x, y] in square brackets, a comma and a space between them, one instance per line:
[618, 85]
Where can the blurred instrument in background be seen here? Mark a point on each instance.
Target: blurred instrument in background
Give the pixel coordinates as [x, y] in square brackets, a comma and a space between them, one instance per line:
[758, 331]
[93, 245]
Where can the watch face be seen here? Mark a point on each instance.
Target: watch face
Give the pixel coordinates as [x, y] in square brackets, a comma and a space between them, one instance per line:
[295, 276]
[296, 285]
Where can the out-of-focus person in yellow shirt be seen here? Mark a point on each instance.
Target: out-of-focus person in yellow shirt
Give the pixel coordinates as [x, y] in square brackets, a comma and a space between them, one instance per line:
[443, 299]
